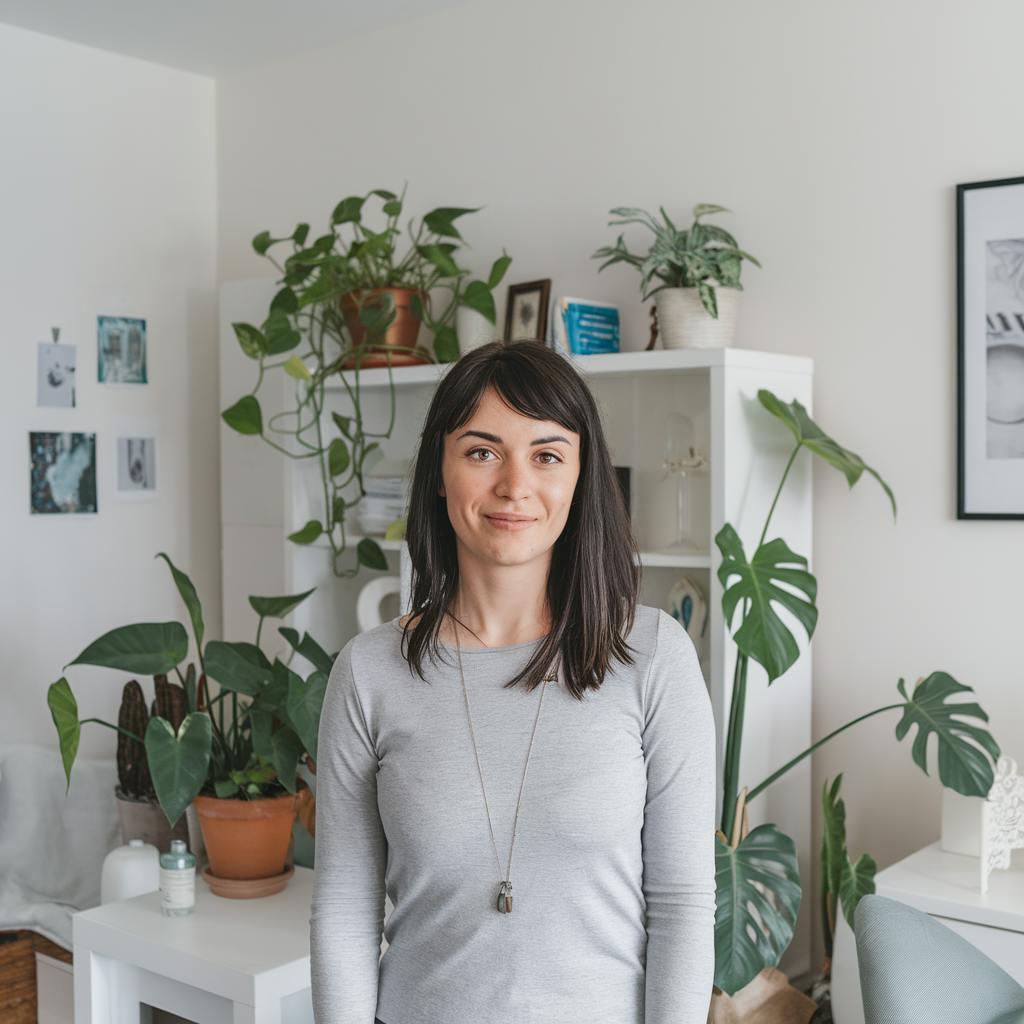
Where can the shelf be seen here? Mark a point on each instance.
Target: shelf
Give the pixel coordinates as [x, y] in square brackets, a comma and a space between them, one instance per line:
[652, 559]
[680, 360]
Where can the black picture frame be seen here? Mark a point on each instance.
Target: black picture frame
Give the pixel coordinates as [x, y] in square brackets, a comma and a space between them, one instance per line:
[537, 292]
[990, 387]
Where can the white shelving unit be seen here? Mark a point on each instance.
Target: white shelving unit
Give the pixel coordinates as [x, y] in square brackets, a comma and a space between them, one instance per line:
[265, 496]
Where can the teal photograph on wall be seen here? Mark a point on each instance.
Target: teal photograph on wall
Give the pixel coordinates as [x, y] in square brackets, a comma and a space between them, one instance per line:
[121, 350]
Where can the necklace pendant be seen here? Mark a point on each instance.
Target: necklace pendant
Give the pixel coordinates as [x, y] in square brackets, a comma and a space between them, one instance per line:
[505, 897]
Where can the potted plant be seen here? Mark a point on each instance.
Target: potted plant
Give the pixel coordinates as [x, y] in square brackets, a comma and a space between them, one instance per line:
[139, 812]
[691, 311]
[758, 880]
[350, 300]
[235, 754]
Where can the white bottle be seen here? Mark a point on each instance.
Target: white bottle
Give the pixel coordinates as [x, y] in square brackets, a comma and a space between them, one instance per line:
[177, 880]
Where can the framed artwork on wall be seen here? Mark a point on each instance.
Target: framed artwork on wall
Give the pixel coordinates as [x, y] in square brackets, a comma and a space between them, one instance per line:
[526, 312]
[990, 349]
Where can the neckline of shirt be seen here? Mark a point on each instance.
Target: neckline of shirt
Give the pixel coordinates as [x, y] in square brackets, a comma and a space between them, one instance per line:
[478, 650]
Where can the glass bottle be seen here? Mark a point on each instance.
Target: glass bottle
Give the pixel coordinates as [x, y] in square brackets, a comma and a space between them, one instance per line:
[177, 880]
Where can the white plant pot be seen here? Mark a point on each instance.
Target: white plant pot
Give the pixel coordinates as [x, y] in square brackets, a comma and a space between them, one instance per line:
[473, 329]
[683, 322]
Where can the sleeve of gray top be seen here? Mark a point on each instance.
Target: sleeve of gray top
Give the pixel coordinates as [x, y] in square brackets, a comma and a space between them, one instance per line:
[678, 832]
[347, 910]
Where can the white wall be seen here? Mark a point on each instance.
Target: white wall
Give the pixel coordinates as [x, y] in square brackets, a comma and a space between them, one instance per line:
[836, 133]
[108, 197]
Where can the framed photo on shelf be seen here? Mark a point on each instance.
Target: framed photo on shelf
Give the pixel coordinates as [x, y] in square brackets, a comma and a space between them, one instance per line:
[990, 349]
[526, 312]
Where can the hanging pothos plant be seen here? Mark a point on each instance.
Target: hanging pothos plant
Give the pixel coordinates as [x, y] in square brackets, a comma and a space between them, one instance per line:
[308, 336]
[757, 878]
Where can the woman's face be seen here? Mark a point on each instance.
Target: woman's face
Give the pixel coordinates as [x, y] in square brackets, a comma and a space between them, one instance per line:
[501, 462]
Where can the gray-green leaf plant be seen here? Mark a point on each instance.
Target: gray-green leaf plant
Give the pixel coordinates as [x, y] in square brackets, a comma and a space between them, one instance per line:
[757, 877]
[244, 742]
[306, 336]
[700, 256]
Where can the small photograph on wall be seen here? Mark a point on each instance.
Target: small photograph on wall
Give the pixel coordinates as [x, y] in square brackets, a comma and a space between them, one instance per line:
[121, 350]
[990, 274]
[62, 473]
[526, 311]
[55, 375]
[136, 465]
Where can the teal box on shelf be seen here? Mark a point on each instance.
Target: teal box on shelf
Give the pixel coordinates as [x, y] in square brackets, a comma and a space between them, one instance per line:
[586, 327]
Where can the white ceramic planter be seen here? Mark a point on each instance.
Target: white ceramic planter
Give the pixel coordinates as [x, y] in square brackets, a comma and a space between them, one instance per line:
[683, 322]
[473, 329]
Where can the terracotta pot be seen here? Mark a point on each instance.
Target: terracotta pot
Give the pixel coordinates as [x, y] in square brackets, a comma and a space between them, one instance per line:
[247, 838]
[398, 342]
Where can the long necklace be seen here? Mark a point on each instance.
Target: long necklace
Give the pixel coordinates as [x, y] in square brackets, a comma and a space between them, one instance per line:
[505, 886]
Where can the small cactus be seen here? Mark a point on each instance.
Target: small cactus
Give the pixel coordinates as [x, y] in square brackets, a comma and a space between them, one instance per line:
[132, 767]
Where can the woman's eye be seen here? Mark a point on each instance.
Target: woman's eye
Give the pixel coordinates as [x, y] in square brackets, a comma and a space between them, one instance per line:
[553, 458]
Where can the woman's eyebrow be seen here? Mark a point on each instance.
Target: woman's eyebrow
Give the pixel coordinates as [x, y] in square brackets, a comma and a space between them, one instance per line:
[497, 440]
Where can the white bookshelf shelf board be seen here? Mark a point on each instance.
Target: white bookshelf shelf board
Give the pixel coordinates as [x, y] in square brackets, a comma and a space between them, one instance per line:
[265, 496]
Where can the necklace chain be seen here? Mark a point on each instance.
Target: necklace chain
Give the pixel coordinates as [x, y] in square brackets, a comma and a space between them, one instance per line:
[506, 883]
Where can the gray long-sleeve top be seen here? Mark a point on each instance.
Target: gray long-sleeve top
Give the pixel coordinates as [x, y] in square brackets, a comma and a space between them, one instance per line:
[613, 871]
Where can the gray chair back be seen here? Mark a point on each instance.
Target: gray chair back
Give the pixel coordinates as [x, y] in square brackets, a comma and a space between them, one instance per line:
[914, 970]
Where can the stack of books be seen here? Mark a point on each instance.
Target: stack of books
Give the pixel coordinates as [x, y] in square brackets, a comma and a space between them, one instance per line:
[585, 327]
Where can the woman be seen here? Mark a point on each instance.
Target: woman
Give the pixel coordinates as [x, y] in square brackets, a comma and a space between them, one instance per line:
[557, 720]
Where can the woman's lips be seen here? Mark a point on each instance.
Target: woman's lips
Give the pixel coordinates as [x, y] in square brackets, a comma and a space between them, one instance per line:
[509, 524]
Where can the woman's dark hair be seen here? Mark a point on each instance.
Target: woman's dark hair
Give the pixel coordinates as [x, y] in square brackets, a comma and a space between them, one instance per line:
[594, 577]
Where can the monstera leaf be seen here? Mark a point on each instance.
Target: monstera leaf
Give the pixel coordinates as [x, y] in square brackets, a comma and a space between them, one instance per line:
[763, 635]
[758, 897]
[962, 765]
[178, 763]
[809, 435]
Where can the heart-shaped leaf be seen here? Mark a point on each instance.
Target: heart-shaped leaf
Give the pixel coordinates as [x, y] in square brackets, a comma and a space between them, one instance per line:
[296, 368]
[286, 750]
[305, 699]
[262, 723]
[811, 436]
[244, 416]
[758, 897]
[370, 554]
[844, 883]
[446, 344]
[250, 340]
[963, 765]
[178, 763]
[191, 599]
[478, 296]
[337, 457]
[763, 635]
[308, 533]
[501, 264]
[148, 648]
[308, 648]
[240, 667]
[278, 607]
[858, 880]
[64, 711]
[443, 263]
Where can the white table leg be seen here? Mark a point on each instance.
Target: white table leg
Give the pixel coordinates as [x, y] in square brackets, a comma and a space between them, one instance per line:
[106, 991]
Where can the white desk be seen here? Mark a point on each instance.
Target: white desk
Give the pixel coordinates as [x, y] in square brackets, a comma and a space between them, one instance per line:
[228, 962]
[947, 886]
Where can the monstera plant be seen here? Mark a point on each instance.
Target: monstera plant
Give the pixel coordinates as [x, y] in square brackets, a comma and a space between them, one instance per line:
[246, 741]
[757, 878]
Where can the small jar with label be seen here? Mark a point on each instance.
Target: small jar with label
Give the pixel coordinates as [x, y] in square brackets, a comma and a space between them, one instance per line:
[177, 880]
